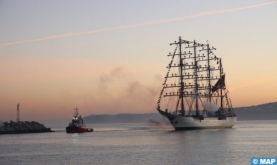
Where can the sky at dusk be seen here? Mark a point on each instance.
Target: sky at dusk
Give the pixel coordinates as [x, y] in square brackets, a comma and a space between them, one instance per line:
[108, 57]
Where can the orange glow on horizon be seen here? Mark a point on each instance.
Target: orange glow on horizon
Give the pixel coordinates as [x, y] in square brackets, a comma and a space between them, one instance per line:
[252, 82]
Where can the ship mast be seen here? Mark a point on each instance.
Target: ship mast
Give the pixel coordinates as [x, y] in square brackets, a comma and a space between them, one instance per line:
[209, 74]
[195, 80]
[221, 84]
[76, 112]
[189, 91]
[181, 78]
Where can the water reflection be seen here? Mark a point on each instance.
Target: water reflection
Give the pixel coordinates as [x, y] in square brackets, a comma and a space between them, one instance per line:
[75, 137]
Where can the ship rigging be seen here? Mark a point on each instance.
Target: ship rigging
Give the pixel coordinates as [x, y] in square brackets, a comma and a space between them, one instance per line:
[194, 88]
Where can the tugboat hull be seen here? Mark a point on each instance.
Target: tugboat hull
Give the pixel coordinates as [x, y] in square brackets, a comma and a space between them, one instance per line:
[71, 129]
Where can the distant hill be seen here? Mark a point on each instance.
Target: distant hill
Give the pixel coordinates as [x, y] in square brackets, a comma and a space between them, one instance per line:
[259, 112]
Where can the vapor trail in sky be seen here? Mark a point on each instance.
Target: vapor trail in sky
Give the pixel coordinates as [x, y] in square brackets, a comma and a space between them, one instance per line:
[139, 24]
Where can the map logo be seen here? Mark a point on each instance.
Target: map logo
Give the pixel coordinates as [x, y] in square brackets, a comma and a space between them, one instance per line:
[262, 161]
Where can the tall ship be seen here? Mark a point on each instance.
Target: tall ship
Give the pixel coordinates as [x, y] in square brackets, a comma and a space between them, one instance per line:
[77, 124]
[194, 93]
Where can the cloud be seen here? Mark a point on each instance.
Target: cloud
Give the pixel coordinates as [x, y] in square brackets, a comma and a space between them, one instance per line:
[106, 79]
[120, 92]
[118, 72]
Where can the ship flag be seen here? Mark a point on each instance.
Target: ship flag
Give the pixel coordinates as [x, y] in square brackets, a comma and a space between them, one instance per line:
[219, 84]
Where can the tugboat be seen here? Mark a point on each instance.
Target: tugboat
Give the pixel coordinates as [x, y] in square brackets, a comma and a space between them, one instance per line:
[77, 124]
[194, 94]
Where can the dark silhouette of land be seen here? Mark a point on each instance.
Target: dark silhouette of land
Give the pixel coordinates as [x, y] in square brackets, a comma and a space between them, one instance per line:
[259, 112]
[266, 111]
[22, 127]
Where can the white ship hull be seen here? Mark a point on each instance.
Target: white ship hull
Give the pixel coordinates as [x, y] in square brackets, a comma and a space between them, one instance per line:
[184, 123]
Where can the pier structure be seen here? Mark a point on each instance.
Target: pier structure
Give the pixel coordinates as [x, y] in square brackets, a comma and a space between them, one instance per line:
[18, 113]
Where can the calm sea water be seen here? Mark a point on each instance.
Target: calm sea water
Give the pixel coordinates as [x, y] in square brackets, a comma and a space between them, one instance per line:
[139, 143]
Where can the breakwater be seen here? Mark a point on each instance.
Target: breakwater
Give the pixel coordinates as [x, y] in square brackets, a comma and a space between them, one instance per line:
[22, 127]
